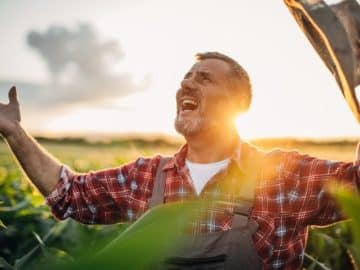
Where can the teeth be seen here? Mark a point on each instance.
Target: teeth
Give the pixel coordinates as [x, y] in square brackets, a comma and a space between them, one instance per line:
[189, 101]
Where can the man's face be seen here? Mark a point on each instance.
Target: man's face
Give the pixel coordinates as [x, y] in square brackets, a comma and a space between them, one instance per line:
[203, 98]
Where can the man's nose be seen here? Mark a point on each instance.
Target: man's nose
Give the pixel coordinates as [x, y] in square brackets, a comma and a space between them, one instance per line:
[188, 83]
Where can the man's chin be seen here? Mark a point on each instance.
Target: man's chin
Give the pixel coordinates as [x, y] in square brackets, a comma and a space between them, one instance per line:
[188, 127]
[198, 126]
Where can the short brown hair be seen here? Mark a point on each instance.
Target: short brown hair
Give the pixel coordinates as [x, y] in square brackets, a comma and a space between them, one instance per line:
[243, 89]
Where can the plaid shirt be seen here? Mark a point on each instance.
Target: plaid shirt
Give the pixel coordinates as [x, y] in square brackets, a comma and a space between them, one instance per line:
[289, 196]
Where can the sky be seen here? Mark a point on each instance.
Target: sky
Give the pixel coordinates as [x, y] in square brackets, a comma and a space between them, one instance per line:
[106, 67]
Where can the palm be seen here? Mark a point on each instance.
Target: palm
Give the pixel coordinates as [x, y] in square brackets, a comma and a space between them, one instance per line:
[9, 113]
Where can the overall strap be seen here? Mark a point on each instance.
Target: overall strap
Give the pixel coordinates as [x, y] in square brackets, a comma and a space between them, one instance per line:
[241, 217]
[157, 196]
[253, 163]
[243, 209]
[242, 253]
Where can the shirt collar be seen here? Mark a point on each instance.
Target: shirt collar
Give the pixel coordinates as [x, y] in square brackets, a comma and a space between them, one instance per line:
[241, 151]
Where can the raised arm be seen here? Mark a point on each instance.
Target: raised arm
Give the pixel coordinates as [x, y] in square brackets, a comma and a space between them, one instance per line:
[41, 168]
[307, 179]
[105, 196]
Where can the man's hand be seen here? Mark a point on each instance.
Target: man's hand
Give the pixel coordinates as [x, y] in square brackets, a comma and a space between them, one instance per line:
[9, 114]
[41, 167]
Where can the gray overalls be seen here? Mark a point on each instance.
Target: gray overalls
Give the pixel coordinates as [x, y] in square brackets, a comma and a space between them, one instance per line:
[231, 249]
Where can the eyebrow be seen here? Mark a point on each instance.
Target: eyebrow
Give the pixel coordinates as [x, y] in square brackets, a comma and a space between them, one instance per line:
[202, 73]
[187, 75]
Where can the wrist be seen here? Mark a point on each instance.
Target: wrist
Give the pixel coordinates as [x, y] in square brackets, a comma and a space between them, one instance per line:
[14, 133]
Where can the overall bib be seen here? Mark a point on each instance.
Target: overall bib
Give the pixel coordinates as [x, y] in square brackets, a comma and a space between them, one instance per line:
[231, 249]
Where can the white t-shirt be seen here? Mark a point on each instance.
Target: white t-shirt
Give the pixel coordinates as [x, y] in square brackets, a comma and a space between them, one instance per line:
[201, 173]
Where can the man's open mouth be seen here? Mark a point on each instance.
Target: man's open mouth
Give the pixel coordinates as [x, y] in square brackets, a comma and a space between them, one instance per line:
[188, 104]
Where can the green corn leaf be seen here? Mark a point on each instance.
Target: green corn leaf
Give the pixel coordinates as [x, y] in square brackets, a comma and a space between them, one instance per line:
[21, 205]
[2, 224]
[38, 238]
[315, 263]
[22, 261]
[5, 265]
[350, 203]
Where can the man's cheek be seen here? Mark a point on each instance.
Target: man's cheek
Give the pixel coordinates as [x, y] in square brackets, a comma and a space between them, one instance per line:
[218, 107]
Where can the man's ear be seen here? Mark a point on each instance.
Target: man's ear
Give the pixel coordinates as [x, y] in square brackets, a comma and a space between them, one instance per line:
[241, 102]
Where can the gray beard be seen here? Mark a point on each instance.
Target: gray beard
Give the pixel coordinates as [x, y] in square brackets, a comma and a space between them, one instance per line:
[189, 127]
[195, 126]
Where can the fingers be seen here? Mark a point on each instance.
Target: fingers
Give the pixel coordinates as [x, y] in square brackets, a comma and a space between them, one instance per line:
[357, 153]
[13, 96]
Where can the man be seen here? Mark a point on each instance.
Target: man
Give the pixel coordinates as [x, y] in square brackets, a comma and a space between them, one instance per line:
[286, 190]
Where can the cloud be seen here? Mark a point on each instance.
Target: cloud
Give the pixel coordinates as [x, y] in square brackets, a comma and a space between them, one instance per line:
[81, 68]
[81, 47]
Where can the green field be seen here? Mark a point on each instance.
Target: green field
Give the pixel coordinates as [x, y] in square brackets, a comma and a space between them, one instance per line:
[30, 236]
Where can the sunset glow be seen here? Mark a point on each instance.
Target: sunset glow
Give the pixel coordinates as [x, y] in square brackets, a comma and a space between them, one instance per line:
[152, 47]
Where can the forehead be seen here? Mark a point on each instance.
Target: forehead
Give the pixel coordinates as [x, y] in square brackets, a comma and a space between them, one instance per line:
[215, 67]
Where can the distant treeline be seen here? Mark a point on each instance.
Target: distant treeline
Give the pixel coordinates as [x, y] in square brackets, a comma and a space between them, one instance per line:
[293, 142]
[133, 141]
[171, 142]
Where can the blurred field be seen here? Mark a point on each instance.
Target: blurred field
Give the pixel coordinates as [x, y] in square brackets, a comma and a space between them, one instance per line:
[84, 155]
[23, 212]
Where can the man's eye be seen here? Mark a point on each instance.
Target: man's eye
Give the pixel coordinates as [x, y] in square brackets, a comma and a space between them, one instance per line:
[205, 78]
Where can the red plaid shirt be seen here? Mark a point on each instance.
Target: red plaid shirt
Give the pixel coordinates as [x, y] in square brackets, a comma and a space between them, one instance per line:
[289, 196]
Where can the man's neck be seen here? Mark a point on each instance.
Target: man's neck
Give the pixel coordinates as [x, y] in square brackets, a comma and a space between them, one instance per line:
[211, 147]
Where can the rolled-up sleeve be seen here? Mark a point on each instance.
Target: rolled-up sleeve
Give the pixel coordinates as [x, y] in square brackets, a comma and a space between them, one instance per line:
[105, 196]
